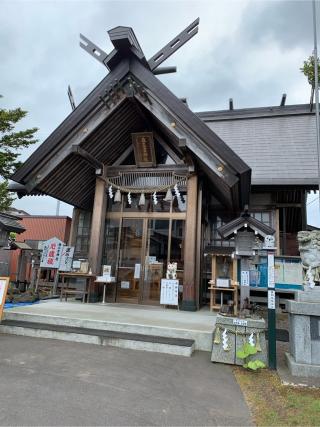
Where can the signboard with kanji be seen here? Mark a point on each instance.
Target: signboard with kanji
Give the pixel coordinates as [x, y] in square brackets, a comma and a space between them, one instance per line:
[143, 146]
[4, 283]
[51, 253]
[169, 292]
[66, 258]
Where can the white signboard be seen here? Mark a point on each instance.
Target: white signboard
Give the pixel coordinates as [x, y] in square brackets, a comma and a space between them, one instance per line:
[272, 299]
[125, 285]
[66, 258]
[271, 271]
[4, 283]
[3, 290]
[240, 322]
[169, 292]
[245, 278]
[106, 271]
[137, 271]
[51, 254]
[76, 265]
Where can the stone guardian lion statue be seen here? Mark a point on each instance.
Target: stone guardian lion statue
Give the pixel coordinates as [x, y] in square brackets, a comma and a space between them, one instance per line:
[309, 247]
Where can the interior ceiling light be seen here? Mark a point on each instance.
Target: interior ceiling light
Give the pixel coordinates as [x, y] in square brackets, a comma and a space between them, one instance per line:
[220, 168]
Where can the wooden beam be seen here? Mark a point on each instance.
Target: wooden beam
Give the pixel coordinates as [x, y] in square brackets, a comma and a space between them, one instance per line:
[179, 169]
[175, 44]
[164, 70]
[123, 156]
[190, 246]
[187, 138]
[75, 139]
[168, 149]
[89, 158]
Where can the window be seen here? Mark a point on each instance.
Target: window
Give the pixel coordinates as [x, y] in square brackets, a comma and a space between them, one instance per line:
[83, 234]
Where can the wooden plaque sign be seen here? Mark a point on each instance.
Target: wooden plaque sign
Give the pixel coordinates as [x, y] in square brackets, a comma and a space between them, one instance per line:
[144, 153]
[4, 283]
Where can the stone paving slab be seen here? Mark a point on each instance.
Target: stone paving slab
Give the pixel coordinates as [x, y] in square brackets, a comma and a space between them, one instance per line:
[52, 383]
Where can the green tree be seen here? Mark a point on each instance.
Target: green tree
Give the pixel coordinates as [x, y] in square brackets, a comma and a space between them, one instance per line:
[308, 70]
[11, 144]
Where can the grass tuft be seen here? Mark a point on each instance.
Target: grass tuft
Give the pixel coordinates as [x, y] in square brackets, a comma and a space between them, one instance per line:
[273, 404]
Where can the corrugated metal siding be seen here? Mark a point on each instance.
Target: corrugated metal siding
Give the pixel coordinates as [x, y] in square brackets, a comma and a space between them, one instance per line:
[280, 150]
[43, 228]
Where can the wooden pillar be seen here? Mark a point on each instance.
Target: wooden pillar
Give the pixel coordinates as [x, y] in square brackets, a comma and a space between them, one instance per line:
[190, 246]
[74, 227]
[199, 250]
[303, 210]
[97, 226]
[277, 228]
[284, 232]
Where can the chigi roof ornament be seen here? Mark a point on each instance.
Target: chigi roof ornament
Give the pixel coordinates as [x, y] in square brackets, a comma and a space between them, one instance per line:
[126, 43]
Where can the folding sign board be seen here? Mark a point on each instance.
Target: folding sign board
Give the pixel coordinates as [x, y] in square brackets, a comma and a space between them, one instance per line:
[169, 292]
[51, 253]
[66, 258]
[4, 283]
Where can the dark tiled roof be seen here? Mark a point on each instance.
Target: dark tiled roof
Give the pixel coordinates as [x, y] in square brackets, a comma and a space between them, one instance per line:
[278, 143]
[10, 223]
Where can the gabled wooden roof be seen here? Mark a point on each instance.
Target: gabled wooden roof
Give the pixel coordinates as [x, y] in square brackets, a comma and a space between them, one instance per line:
[103, 122]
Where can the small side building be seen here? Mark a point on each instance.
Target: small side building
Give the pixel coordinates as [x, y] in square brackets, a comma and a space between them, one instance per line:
[38, 228]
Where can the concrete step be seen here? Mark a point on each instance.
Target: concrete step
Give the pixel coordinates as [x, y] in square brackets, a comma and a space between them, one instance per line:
[134, 341]
[202, 338]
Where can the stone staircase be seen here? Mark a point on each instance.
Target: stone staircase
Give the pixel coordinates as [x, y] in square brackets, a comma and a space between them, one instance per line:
[137, 337]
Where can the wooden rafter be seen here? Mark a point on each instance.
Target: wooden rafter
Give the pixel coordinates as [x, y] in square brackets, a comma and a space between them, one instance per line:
[175, 44]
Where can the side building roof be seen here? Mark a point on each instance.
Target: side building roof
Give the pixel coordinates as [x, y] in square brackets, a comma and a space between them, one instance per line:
[278, 143]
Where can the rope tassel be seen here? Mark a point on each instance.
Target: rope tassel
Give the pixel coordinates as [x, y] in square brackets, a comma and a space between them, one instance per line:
[117, 196]
[168, 197]
[217, 337]
[258, 345]
[142, 200]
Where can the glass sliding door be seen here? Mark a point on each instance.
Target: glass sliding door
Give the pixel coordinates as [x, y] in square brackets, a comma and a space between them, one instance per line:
[156, 257]
[177, 246]
[130, 260]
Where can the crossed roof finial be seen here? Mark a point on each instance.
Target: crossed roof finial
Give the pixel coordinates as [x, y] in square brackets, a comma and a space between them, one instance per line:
[125, 42]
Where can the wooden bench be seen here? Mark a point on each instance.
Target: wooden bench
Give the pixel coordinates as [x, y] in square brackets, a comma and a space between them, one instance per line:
[65, 290]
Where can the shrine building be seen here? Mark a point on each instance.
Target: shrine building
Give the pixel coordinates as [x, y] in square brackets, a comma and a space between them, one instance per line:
[151, 181]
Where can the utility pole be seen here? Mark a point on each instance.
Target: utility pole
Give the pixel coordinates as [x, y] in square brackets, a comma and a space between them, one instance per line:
[316, 88]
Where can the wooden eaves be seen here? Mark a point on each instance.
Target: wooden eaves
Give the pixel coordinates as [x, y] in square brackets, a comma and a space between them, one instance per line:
[107, 105]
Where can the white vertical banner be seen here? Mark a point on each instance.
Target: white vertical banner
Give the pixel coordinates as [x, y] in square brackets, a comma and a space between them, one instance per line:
[271, 283]
[271, 299]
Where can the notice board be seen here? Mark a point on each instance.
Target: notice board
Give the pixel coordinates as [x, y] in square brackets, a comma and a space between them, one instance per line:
[4, 283]
[169, 292]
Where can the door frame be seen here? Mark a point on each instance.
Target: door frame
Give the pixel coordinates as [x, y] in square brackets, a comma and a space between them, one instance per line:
[145, 216]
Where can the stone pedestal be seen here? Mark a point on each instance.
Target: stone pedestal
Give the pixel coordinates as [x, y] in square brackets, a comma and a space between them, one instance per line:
[235, 335]
[304, 331]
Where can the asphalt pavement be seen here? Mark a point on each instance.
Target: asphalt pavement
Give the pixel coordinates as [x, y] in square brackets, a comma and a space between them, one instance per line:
[56, 383]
